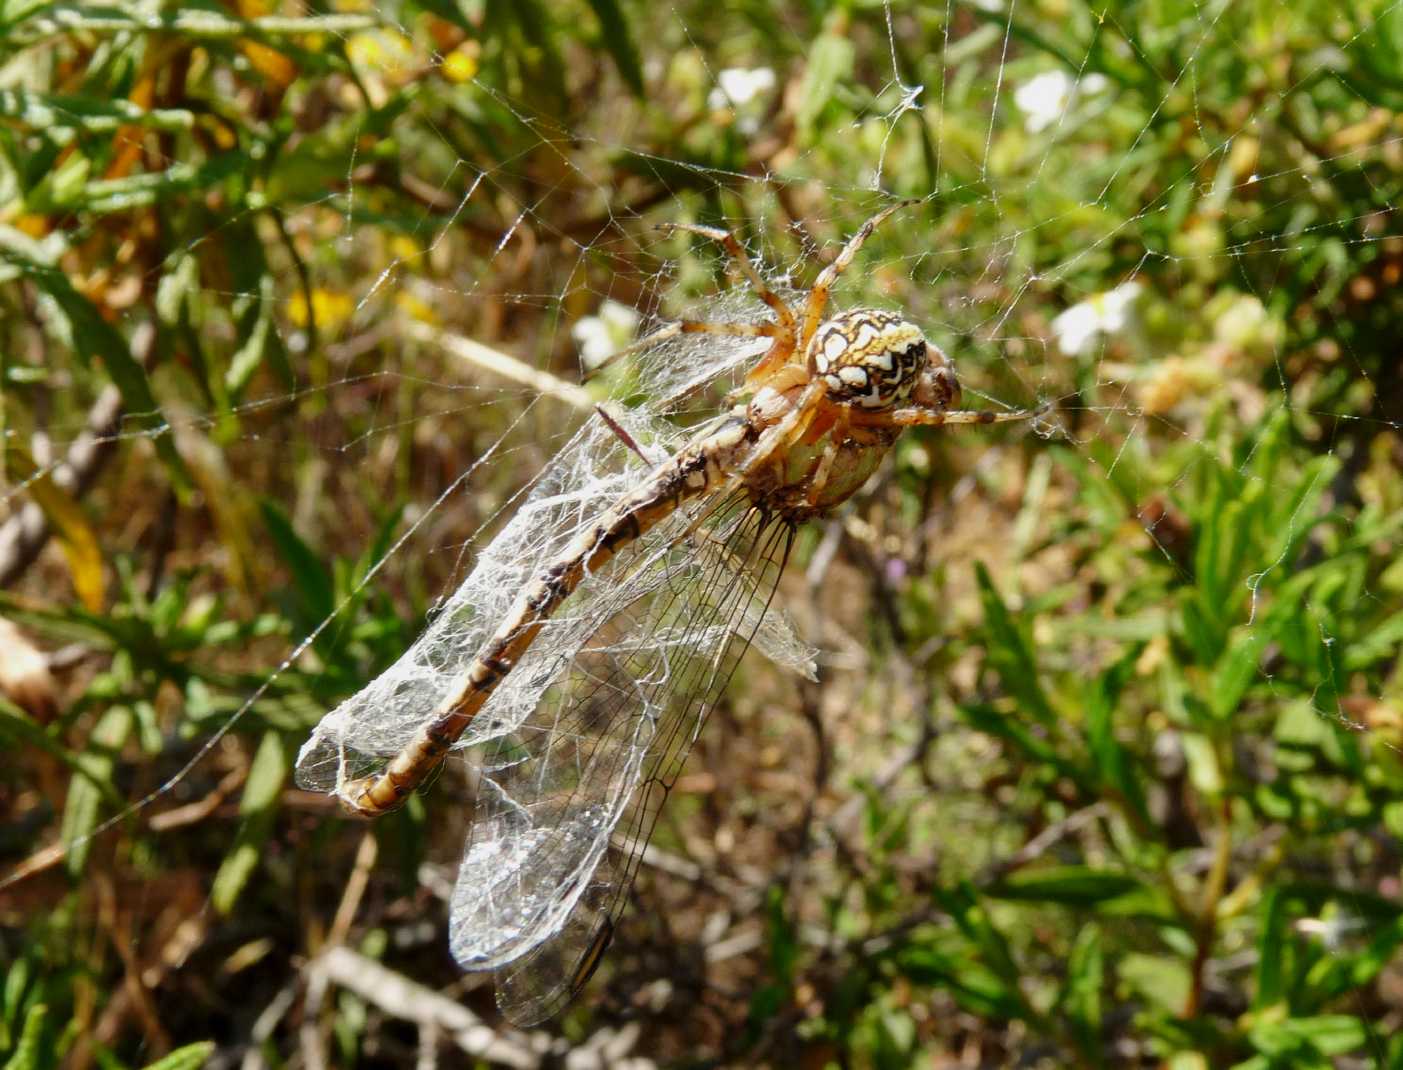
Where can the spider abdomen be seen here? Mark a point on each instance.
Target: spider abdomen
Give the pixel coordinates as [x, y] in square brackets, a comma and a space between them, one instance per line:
[868, 358]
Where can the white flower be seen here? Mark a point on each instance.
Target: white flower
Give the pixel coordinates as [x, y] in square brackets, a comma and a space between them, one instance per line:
[1104, 313]
[1243, 323]
[738, 96]
[600, 336]
[738, 86]
[1045, 97]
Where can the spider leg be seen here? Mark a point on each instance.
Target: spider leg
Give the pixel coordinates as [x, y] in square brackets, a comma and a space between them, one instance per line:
[788, 431]
[819, 479]
[785, 341]
[733, 248]
[818, 296]
[672, 330]
[744, 330]
[917, 416]
[865, 436]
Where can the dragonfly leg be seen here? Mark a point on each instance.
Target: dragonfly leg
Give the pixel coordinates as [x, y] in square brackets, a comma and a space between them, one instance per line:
[621, 433]
[818, 296]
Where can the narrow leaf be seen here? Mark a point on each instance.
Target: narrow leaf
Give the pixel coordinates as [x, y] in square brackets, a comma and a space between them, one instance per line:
[830, 62]
[70, 526]
[1081, 999]
[266, 777]
[1071, 885]
[190, 1057]
[1271, 950]
[1113, 763]
[312, 581]
[614, 31]
[85, 793]
[94, 336]
[29, 1053]
[1328, 1034]
[1010, 653]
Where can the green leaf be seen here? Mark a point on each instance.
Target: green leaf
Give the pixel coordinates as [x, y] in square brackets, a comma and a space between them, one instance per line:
[1163, 981]
[1271, 950]
[1112, 762]
[1010, 653]
[189, 1057]
[536, 51]
[1339, 972]
[1070, 885]
[783, 946]
[32, 1052]
[16, 985]
[1202, 760]
[310, 578]
[104, 196]
[46, 111]
[259, 341]
[614, 31]
[1327, 1034]
[958, 971]
[783, 936]
[830, 62]
[91, 335]
[1221, 532]
[83, 805]
[973, 919]
[316, 163]
[1377, 643]
[1081, 997]
[258, 806]
[1006, 726]
[15, 11]
[1238, 669]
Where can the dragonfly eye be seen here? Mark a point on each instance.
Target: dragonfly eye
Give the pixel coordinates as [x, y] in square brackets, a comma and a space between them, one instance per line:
[868, 358]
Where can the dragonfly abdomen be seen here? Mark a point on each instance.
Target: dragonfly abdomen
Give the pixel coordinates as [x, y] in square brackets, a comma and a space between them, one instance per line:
[693, 471]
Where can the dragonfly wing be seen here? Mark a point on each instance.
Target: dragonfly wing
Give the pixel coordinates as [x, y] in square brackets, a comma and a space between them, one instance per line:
[543, 981]
[594, 760]
[360, 735]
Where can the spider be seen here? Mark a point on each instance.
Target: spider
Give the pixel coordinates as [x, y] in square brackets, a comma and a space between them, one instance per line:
[830, 394]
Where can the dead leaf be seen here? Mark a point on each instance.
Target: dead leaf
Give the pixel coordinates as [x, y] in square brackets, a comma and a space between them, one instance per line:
[24, 674]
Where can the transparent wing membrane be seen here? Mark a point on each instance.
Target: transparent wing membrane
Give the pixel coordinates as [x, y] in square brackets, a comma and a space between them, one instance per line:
[360, 735]
[594, 760]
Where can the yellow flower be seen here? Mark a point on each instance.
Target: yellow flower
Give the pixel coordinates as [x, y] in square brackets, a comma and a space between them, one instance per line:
[381, 51]
[461, 64]
[403, 247]
[416, 308]
[329, 309]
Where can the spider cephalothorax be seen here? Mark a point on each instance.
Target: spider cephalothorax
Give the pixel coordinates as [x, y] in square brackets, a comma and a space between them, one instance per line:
[868, 358]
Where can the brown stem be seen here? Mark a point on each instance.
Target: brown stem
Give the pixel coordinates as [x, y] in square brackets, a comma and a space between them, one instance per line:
[1213, 887]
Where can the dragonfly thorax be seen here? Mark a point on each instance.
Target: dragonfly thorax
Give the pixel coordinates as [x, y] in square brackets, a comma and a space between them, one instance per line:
[869, 358]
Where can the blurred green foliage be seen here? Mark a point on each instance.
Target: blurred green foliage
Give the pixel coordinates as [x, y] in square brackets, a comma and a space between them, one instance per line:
[1150, 792]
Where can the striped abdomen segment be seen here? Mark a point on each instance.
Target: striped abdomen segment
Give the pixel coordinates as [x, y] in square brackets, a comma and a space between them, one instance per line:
[690, 473]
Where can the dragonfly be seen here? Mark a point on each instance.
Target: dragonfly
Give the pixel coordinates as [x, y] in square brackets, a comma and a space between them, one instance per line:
[600, 626]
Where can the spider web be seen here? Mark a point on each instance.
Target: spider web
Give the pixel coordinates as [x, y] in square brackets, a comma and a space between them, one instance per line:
[1018, 222]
